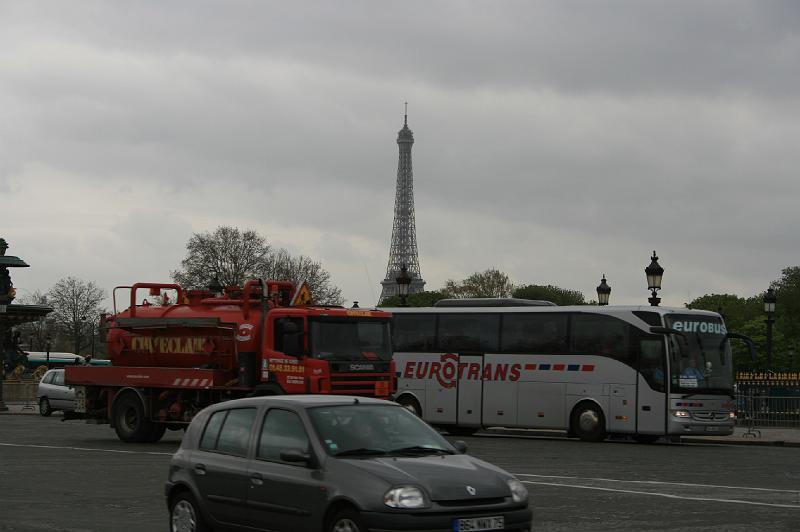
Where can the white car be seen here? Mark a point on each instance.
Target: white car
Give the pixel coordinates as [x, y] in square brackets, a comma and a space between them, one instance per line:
[53, 394]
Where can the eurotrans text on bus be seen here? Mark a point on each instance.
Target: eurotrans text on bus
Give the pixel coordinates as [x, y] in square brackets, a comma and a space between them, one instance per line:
[590, 371]
[266, 338]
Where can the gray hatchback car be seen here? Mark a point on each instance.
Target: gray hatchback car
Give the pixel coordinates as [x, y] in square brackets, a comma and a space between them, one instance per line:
[334, 464]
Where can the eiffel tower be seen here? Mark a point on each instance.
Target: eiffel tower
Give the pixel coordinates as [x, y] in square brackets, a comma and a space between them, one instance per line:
[403, 249]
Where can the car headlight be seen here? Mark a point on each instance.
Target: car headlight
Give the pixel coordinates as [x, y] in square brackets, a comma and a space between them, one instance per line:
[681, 413]
[405, 497]
[518, 491]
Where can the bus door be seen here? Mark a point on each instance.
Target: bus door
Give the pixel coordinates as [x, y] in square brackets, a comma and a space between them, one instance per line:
[651, 385]
[470, 390]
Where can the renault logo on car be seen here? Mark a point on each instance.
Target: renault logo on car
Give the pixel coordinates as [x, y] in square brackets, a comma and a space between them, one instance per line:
[471, 490]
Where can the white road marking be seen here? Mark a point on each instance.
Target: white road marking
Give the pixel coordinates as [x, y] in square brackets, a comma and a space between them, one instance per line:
[655, 482]
[667, 495]
[93, 449]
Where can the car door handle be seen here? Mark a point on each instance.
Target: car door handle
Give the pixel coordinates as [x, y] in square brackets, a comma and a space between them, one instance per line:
[200, 469]
[256, 479]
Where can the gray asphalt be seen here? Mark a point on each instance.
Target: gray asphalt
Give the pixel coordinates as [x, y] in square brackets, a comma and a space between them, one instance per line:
[73, 477]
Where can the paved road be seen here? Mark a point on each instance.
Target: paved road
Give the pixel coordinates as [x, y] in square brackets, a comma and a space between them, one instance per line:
[74, 477]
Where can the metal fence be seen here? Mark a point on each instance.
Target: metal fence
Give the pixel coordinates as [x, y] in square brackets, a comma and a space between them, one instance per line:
[19, 392]
[768, 400]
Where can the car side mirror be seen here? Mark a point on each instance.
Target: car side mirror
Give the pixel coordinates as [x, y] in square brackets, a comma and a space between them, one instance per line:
[295, 456]
[460, 446]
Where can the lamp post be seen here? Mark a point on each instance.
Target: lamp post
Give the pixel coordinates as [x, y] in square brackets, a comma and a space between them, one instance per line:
[603, 291]
[769, 310]
[403, 284]
[654, 274]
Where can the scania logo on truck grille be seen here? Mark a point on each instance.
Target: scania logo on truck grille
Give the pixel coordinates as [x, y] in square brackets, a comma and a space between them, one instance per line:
[362, 367]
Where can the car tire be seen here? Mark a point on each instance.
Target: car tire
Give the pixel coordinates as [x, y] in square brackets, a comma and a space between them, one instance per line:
[44, 407]
[588, 422]
[412, 405]
[347, 520]
[130, 422]
[185, 516]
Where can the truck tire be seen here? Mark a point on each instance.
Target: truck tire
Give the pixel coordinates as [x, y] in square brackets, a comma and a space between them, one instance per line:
[130, 422]
[157, 432]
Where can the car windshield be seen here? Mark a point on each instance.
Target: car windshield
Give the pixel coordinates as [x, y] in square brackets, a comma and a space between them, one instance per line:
[350, 339]
[701, 360]
[369, 430]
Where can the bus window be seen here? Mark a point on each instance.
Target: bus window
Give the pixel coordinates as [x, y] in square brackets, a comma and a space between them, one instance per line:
[534, 333]
[595, 334]
[469, 333]
[413, 332]
[651, 362]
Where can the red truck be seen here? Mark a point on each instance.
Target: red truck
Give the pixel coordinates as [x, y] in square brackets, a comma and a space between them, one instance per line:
[169, 361]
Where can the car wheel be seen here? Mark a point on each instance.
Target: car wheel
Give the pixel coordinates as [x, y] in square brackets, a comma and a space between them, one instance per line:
[130, 422]
[409, 403]
[44, 407]
[185, 516]
[588, 422]
[347, 521]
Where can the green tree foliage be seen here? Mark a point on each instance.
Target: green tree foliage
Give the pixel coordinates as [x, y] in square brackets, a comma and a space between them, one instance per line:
[489, 283]
[736, 310]
[559, 296]
[233, 256]
[787, 308]
[422, 299]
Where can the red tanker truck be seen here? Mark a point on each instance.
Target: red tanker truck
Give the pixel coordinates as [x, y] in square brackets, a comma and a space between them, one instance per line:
[171, 360]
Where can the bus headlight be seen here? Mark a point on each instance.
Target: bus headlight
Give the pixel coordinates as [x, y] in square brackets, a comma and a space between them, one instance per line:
[681, 413]
[405, 497]
[518, 491]
[732, 415]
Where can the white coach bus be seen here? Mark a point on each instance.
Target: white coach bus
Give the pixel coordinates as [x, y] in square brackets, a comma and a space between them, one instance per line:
[588, 370]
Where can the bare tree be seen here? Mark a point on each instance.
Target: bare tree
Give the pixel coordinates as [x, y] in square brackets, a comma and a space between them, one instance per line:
[75, 303]
[36, 333]
[227, 255]
[233, 256]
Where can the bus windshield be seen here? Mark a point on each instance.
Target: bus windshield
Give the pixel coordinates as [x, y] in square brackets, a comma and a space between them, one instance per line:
[350, 339]
[701, 360]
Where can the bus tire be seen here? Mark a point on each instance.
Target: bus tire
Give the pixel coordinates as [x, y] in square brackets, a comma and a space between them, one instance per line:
[130, 422]
[411, 404]
[461, 431]
[588, 422]
[646, 438]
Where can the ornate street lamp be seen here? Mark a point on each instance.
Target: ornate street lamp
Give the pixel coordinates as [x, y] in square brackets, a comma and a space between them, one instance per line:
[769, 309]
[654, 274]
[403, 284]
[603, 292]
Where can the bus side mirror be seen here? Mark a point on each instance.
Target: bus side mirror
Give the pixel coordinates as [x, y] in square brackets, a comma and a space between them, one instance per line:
[751, 346]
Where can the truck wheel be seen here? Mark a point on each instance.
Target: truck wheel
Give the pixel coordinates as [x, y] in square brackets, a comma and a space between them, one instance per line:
[130, 422]
[185, 516]
[44, 407]
[156, 433]
[588, 422]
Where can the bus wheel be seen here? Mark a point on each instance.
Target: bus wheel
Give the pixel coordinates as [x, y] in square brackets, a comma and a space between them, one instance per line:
[130, 422]
[409, 403]
[461, 431]
[588, 422]
[646, 438]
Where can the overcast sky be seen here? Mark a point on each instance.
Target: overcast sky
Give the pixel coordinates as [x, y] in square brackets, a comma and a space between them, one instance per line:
[555, 141]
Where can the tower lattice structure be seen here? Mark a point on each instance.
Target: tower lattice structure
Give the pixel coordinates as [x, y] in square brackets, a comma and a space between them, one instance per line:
[403, 249]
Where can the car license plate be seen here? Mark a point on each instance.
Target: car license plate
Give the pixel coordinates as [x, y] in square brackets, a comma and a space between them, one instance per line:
[479, 523]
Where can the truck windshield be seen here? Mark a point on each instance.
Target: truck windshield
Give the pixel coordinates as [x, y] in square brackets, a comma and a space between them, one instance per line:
[701, 360]
[349, 339]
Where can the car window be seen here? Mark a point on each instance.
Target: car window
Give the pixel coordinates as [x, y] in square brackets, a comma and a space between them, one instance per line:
[59, 378]
[210, 434]
[234, 437]
[282, 430]
[48, 377]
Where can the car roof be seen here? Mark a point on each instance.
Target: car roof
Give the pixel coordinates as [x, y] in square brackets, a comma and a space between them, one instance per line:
[303, 401]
